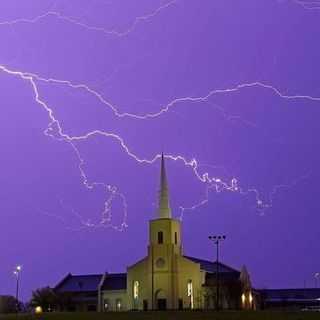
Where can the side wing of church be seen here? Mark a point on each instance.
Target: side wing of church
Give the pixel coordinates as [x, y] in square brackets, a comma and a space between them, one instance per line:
[164, 279]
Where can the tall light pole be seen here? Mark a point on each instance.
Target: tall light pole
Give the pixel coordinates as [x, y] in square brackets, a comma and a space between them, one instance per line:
[17, 272]
[216, 240]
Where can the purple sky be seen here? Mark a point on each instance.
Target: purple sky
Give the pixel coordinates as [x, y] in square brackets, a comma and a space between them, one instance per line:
[232, 84]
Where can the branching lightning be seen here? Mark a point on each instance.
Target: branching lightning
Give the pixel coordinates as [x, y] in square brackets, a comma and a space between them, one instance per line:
[75, 21]
[173, 103]
[56, 131]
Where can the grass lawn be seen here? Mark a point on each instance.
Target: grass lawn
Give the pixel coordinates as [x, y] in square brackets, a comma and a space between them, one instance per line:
[258, 315]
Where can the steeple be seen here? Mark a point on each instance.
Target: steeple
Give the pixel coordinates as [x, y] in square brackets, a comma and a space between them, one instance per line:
[164, 210]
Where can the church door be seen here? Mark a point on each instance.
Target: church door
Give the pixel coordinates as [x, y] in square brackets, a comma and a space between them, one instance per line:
[162, 304]
[161, 300]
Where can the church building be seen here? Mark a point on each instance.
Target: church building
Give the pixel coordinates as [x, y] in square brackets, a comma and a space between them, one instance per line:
[164, 279]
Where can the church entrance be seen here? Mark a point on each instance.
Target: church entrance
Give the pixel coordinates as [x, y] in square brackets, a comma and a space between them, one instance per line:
[161, 301]
[162, 304]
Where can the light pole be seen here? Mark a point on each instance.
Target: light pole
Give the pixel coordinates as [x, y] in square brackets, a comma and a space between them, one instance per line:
[216, 240]
[17, 272]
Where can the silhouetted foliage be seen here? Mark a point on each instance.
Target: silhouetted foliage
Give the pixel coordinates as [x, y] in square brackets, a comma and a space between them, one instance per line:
[44, 297]
[9, 304]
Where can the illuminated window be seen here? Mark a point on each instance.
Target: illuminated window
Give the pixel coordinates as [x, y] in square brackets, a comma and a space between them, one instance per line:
[136, 290]
[243, 298]
[106, 304]
[175, 238]
[250, 298]
[118, 304]
[160, 237]
[190, 293]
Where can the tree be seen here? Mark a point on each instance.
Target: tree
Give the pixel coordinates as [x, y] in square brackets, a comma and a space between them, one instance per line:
[44, 297]
[9, 304]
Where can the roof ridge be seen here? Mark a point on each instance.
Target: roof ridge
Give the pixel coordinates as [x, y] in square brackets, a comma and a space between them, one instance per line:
[212, 262]
[87, 275]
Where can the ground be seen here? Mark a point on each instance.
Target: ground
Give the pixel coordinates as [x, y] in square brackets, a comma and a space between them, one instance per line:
[171, 316]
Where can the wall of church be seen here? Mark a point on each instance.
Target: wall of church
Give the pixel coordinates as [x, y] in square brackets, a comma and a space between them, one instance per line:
[190, 280]
[138, 273]
[170, 281]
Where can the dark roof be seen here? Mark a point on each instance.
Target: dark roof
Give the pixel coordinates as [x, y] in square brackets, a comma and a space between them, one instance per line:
[211, 267]
[299, 294]
[211, 278]
[115, 281]
[79, 283]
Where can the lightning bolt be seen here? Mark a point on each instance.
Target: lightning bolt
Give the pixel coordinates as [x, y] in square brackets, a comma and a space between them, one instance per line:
[260, 205]
[72, 20]
[55, 131]
[166, 108]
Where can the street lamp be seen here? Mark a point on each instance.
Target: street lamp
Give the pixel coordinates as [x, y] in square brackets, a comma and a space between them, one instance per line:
[216, 240]
[17, 272]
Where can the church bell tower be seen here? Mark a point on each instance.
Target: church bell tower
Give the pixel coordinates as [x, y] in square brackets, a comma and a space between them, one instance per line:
[164, 248]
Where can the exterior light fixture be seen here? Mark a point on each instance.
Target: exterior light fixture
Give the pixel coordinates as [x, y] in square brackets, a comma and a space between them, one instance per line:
[38, 310]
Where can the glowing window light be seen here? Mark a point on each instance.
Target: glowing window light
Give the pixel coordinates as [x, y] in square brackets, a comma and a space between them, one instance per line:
[106, 304]
[243, 298]
[38, 310]
[119, 305]
[136, 289]
[190, 293]
[250, 298]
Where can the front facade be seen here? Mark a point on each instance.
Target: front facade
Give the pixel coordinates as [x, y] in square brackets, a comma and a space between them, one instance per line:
[165, 278]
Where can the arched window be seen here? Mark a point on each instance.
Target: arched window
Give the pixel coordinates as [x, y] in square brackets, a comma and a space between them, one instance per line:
[175, 238]
[106, 305]
[136, 290]
[118, 304]
[190, 293]
[160, 237]
[243, 299]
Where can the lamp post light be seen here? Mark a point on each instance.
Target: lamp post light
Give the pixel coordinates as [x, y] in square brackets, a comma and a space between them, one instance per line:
[216, 240]
[17, 272]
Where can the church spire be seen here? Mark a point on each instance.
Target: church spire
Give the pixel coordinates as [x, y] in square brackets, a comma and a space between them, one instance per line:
[164, 210]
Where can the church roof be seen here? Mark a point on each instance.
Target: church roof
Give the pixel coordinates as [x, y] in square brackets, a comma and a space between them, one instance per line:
[79, 283]
[115, 281]
[91, 282]
[211, 267]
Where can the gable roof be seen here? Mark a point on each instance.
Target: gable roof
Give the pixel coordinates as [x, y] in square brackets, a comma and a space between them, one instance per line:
[79, 283]
[115, 281]
[211, 267]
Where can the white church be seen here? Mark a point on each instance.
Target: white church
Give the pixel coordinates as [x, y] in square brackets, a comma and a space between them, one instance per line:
[164, 279]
